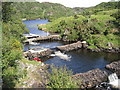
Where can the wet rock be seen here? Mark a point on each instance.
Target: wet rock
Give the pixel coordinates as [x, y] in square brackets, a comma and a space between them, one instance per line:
[114, 67]
[94, 50]
[91, 78]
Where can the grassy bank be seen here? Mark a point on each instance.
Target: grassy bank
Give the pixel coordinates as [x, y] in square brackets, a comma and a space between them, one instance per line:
[98, 26]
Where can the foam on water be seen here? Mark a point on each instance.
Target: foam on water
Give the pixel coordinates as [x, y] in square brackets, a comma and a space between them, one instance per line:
[62, 55]
[114, 81]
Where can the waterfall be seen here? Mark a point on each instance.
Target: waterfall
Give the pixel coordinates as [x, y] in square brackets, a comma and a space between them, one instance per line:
[114, 81]
[112, 77]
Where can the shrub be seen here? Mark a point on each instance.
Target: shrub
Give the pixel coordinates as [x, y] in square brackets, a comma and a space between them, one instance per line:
[60, 77]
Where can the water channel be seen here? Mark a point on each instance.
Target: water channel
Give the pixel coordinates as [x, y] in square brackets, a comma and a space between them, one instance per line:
[81, 60]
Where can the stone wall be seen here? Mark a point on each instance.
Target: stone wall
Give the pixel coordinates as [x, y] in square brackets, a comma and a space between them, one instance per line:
[44, 38]
[32, 55]
[70, 47]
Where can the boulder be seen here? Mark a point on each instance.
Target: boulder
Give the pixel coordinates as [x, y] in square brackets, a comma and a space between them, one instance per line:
[91, 78]
[114, 67]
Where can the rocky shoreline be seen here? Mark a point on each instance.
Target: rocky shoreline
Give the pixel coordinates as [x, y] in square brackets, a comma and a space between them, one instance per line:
[110, 50]
[91, 78]
[82, 44]
[87, 80]
[94, 77]
[98, 49]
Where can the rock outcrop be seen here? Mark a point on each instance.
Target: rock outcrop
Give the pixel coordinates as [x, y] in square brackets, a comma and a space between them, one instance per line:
[91, 78]
[95, 77]
[114, 67]
[111, 50]
[36, 74]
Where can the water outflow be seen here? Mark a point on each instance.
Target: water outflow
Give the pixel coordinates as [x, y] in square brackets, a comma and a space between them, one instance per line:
[33, 43]
[114, 81]
[61, 55]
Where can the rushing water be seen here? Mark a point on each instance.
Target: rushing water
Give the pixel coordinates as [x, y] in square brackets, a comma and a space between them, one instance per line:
[80, 61]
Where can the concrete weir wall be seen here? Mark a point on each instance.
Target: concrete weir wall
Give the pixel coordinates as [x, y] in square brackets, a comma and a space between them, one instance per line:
[44, 38]
[33, 54]
[70, 47]
[46, 52]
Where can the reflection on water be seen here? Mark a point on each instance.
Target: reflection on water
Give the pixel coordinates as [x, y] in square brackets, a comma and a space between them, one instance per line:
[80, 61]
[34, 29]
[83, 60]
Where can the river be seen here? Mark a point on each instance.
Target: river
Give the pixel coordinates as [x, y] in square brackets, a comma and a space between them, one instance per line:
[80, 61]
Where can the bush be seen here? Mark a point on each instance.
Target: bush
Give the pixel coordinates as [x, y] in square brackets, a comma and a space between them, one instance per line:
[60, 77]
[9, 77]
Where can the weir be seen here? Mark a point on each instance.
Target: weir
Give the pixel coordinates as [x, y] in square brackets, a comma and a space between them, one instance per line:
[43, 38]
[70, 47]
[40, 53]
[46, 52]
[28, 36]
[90, 78]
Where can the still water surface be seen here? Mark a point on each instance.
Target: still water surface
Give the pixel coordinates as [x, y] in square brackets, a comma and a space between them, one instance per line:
[81, 60]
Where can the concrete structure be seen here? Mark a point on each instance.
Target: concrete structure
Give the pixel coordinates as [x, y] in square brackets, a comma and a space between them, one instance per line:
[70, 47]
[43, 38]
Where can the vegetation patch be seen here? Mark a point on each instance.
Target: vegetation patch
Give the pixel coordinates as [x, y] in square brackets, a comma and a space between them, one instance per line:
[60, 77]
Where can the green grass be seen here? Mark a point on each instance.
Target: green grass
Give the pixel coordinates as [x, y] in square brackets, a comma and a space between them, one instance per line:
[102, 41]
[102, 17]
[92, 47]
[109, 12]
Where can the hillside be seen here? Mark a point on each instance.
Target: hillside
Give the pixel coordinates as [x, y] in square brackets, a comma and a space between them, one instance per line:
[33, 10]
[102, 8]
[97, 25]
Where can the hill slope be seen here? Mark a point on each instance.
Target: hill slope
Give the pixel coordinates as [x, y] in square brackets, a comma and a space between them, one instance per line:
[32, 10]
[97, 25]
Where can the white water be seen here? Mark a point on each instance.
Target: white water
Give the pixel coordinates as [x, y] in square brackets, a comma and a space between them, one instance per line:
[33, 43]
[61, 55]
[114, 81]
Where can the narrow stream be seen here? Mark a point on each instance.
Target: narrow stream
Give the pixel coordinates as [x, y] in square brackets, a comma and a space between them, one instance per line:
[80, 61]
